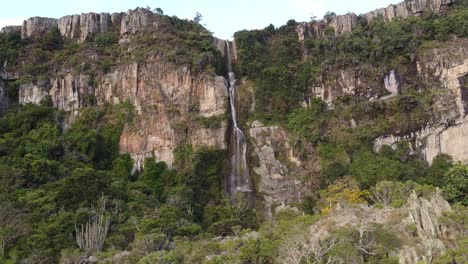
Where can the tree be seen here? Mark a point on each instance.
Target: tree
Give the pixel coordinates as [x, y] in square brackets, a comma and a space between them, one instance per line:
[198, 18]
[383, 192]
[407, 103]
[456, 184]
[153, 176]
[345, 190]
[435, 175]
[329, 15]
[10, 226]
[52, 40]
[159, 11]
[366, 244]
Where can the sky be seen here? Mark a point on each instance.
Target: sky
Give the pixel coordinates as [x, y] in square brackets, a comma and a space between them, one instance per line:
[223, 18]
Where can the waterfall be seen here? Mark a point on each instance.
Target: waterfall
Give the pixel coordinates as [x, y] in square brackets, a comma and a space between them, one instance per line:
[238, 179]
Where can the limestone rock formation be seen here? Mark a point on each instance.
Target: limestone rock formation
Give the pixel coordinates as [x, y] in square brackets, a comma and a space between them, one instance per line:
[346, 23]
[11, 29]
[33, 93]
[409, 8]
[343, 24]
[430, 239]
[137, 20]
[391, 84]
[164, 96]
[277, 166]
[80, 27]
[35, 27]
[443, 67]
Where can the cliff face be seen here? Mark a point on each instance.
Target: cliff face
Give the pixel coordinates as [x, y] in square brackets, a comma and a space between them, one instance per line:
[444, 67]
[171, 99]
[409, 8]
[346, 23]
[36, 27]
[81, 27]
[282, 175]
[175, 104]
[441, 70]
[167, 99]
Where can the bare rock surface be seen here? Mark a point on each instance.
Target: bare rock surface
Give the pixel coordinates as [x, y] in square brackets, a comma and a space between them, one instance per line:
[431, 238]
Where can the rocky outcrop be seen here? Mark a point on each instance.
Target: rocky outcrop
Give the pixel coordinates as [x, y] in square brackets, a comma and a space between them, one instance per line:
[343, 24]
[409, 8]
[137, 20]
[80, 27]
[360, 81]
[443, 67]
[433, 140]
[36, 27]
[168, 100]
[346, 23]
[33, 92]
[220, 45]
[429, 240]
[165, 99]
[11, 29]
[424, 214]
[392, 85]
[276, 166]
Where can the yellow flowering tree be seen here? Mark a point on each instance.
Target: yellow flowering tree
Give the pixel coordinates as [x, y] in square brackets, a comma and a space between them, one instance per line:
[344, 190]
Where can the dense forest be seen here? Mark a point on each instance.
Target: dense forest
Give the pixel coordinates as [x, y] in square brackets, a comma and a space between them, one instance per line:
[68, 193]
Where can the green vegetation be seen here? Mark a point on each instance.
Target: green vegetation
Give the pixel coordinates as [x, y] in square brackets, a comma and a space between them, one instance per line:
[10, 45]
[62, 178]
[59, 173]
[456, 184]
[283, 75]
[178, 41]
[212, 122]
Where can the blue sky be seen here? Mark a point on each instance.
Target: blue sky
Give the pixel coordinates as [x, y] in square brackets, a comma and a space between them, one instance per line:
[221, 17]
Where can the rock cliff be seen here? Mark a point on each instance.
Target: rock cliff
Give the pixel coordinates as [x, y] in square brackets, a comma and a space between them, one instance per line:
[430, 238]
[171, 99]
[346, 23]
[278, 166]
[445, 67]
[36, 27]
[81, 27]
[174, 102]
[409, 8]
[168, 99]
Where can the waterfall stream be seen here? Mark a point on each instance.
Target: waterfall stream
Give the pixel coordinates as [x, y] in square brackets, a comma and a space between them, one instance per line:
[238, 179]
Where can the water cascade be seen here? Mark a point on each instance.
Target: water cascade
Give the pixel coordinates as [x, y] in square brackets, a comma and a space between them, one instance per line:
[238, 179]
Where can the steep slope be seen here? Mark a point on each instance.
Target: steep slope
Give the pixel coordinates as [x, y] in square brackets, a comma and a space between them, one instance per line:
[333, 88]
[174, 99]
[343, 133]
